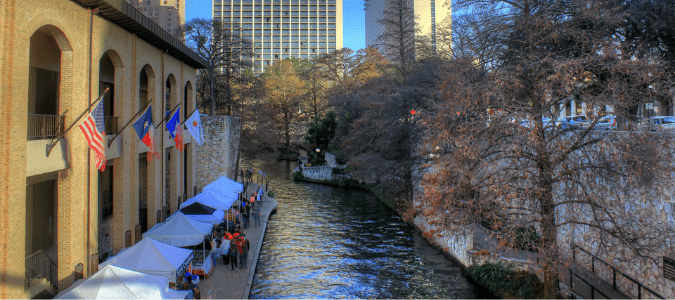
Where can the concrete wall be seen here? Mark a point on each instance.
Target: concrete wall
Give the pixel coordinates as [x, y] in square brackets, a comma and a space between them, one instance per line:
[218, 155]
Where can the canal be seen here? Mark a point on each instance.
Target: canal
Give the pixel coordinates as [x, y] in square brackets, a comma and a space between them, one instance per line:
[327, 242]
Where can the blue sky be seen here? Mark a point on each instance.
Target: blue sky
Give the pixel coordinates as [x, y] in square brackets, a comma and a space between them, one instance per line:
[353, 34]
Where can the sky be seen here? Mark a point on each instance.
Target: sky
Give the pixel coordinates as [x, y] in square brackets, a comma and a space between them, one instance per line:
[353, 27]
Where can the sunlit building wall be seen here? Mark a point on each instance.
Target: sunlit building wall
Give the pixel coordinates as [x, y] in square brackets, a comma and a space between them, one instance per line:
[168, 14]
[279, 29]
[430, 17]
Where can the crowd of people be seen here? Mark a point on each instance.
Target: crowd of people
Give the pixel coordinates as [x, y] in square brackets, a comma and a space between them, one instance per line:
[229, 240]
[232, 244]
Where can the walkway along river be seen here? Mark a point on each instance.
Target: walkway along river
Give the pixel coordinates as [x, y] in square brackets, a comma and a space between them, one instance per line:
[327, 242]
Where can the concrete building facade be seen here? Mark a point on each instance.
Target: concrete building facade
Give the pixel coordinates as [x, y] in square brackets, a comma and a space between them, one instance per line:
[58, 213]
[279, 29]
[432, 19]
[168, 14]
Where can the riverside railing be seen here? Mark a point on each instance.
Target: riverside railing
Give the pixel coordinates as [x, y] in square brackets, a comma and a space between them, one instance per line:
[614, 272]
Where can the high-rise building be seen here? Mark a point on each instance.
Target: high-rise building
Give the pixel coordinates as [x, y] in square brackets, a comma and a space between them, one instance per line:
[430, 17]
[279, 29]
[168, 14]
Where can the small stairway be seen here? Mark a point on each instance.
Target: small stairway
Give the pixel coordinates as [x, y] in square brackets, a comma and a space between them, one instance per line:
[583, 290]
[41, 275]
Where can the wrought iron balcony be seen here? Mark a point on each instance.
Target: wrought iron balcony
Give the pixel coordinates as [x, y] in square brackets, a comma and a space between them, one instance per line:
[41, 127]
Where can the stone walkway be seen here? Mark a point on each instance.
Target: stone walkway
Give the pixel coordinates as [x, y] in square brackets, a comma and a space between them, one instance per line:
[227, 284]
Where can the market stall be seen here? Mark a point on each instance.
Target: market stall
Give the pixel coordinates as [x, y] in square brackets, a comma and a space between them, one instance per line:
[181, 231]
[225, 187]
[153, 257]
[202, 213]
[211, 199]
[113, 282]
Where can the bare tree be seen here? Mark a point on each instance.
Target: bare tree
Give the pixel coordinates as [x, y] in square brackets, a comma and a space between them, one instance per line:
[225, 54]
[501, 161]
[398, 40]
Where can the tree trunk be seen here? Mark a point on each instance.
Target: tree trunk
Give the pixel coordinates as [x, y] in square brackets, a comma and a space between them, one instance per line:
[212, 92]
[287, 129]
[549, 241]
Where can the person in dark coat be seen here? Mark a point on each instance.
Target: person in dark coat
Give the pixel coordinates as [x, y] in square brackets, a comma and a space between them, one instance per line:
[234, 255]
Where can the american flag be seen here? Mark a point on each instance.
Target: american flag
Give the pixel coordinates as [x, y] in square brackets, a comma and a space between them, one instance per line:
[93, 128]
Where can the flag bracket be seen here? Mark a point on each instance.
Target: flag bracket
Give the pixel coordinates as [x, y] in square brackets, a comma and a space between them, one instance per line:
[55, 140]
[131, 120]
[52, 143]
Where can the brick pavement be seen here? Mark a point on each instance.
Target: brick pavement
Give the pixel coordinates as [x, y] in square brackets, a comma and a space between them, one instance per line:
[227, 284]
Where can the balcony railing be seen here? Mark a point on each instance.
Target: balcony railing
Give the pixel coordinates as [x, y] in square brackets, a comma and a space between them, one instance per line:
[110, 125]
[39, 265]
[41, 127]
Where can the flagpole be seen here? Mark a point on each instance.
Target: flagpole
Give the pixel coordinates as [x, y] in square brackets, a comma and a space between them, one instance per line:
[190, 115]
[132, 119]
[168, 115]
[52, 143]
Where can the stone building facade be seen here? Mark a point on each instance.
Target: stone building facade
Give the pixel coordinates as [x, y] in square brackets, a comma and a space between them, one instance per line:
[218, 155]
[54, 62]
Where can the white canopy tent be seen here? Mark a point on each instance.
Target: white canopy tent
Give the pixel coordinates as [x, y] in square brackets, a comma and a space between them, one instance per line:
[209, 198]
[179, 231]
[117, 283]
[203, 213]
[225, 187]
[152, 257]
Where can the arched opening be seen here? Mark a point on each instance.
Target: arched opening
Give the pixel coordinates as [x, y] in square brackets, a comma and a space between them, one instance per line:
[44, 85]
[108, 65]
[48, 47]
[109, 76]
[146, 92]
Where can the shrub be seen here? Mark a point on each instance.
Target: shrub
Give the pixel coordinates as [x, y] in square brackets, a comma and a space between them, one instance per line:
[504, 283]
[297, 176]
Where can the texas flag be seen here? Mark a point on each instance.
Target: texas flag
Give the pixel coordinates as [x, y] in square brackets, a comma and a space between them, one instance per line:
[173, 125]
[146, 131]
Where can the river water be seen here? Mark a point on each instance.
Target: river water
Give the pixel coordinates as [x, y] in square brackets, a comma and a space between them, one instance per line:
[327, 242]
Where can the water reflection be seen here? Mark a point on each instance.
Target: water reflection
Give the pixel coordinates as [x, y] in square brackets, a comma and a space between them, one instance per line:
[328, 242]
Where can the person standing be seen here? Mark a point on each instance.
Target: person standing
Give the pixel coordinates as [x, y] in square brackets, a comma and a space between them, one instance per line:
[224, 250]
[234, 255]
[244, 250]
[254, 215]
[194, 288]
[246, 215]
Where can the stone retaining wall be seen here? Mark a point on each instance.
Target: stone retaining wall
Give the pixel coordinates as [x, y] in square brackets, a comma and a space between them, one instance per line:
[217, 156]
[654, 206]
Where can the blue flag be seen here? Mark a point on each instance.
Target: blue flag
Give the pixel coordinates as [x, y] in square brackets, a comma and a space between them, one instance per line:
[143, 123]
[173, 123]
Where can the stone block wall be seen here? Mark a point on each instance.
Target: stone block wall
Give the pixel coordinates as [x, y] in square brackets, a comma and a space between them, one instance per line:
[318, 173]
[218, 155]
[645, 207]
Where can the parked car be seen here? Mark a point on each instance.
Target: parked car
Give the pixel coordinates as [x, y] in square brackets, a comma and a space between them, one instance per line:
[573, 122]
[657, 123]
[606, 123]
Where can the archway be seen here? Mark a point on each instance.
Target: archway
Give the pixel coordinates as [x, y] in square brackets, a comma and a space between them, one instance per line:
[146, 92]
[49, 51]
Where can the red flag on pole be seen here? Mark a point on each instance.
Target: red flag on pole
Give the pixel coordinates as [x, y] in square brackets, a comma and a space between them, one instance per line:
[93, 128]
